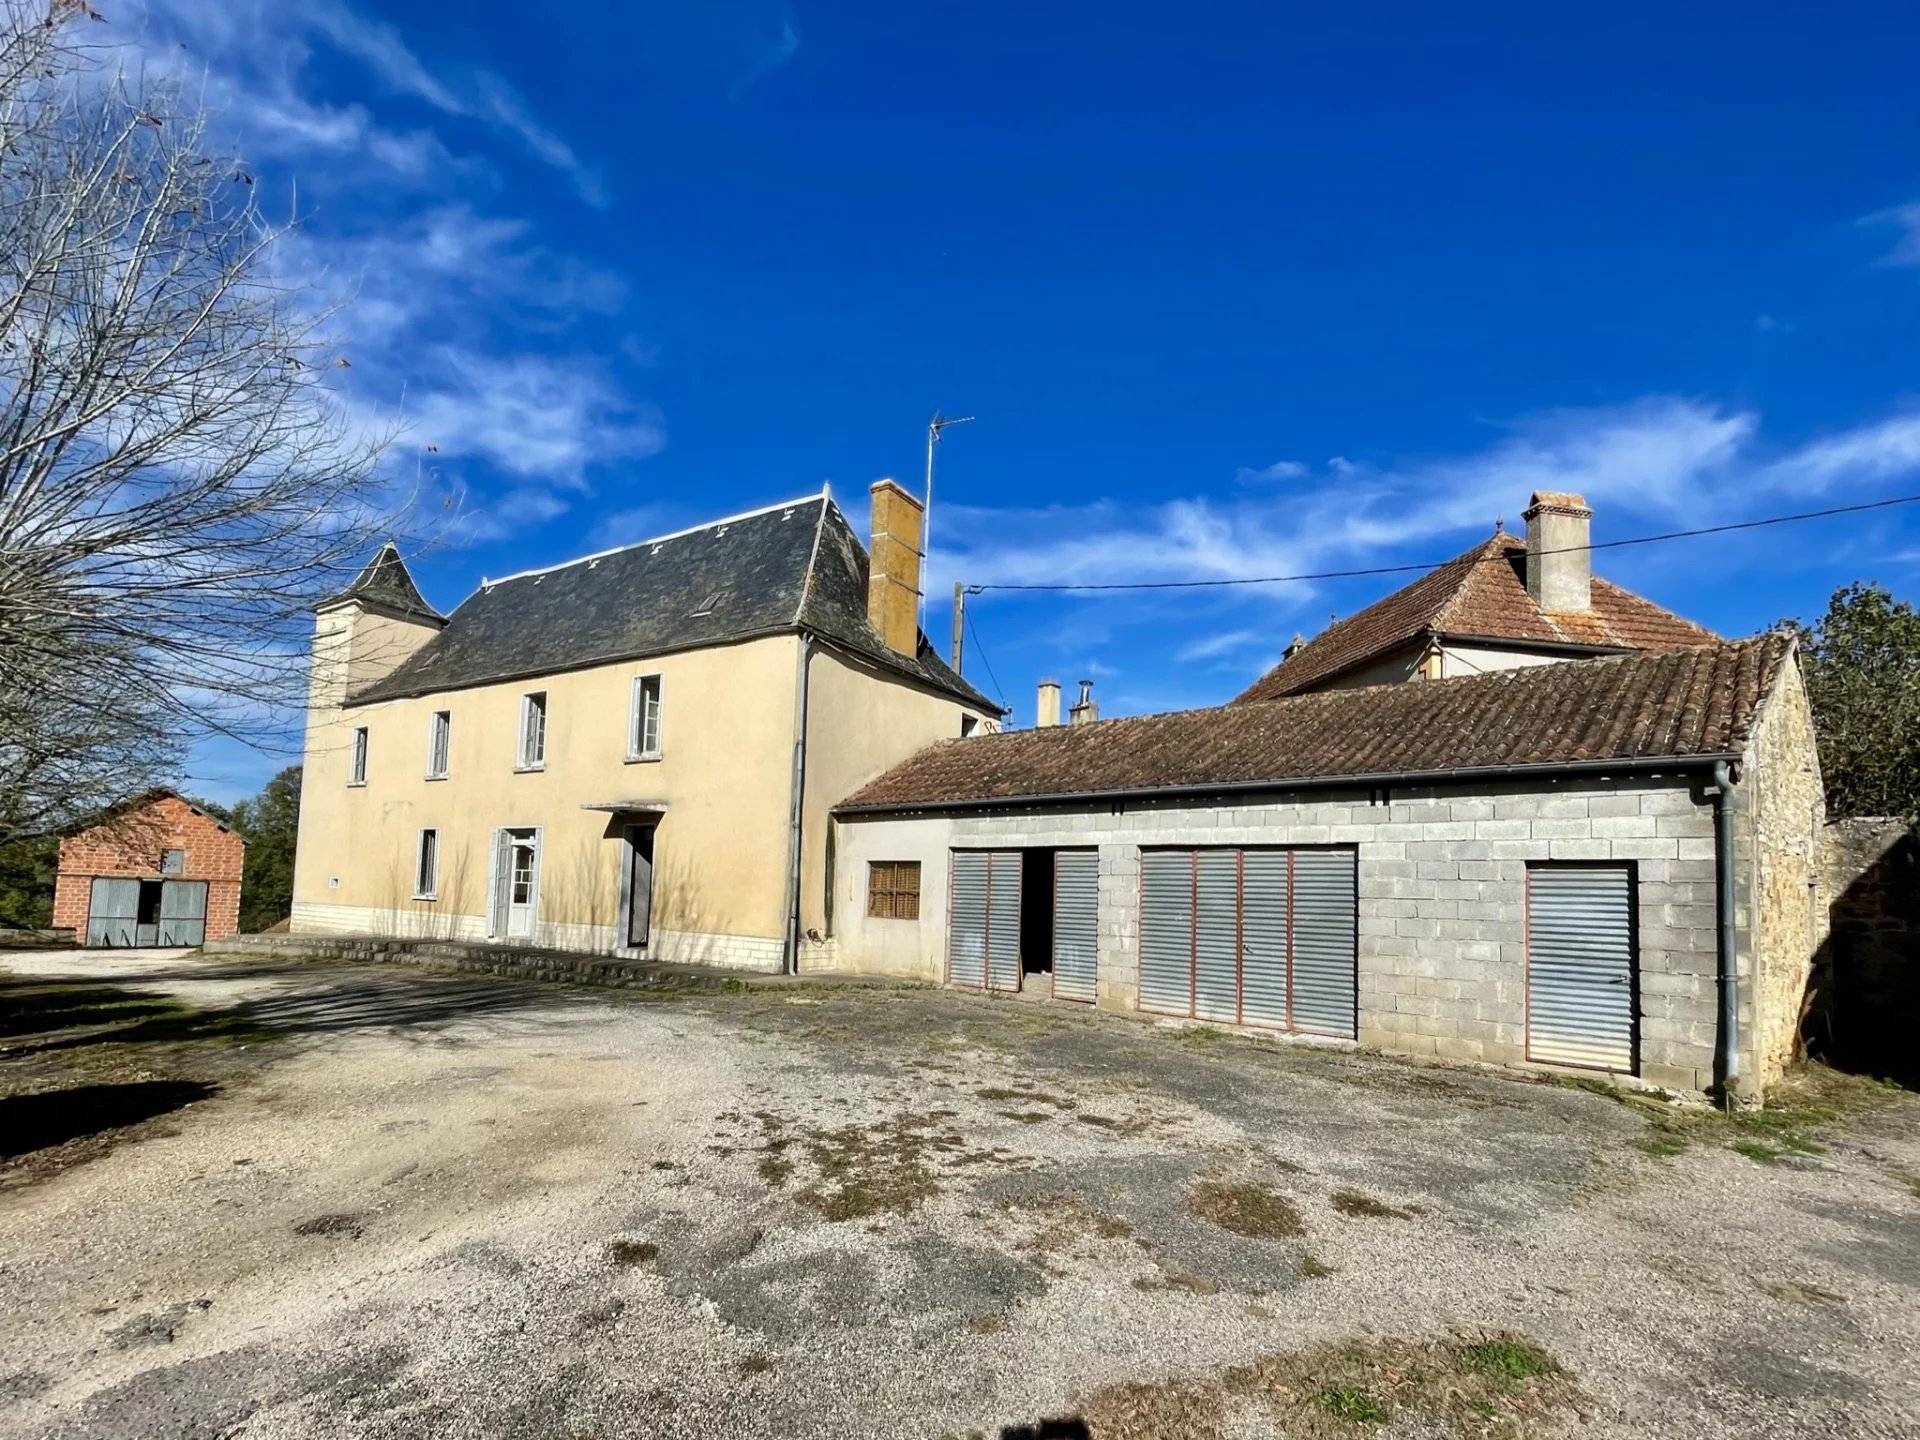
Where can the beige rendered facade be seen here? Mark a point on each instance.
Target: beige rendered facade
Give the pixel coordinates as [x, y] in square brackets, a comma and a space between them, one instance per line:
[676, 842]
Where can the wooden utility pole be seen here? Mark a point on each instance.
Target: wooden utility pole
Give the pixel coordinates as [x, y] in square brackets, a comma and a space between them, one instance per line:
[959, 619]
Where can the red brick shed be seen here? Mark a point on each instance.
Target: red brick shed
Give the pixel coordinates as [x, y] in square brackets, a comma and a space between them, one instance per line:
[157, 871]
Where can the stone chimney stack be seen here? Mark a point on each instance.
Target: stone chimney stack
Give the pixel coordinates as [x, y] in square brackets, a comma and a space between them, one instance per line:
[893, 576]
[1046, 710]
[1559, 566]
[1086, 709]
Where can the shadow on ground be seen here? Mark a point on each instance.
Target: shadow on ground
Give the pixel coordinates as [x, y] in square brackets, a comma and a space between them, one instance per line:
[55, 1117]
[53, 1016]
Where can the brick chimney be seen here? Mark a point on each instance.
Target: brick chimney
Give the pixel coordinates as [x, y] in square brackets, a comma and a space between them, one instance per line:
[1086, 709]
[1559, 566]
[893, 583]
[1046, 709]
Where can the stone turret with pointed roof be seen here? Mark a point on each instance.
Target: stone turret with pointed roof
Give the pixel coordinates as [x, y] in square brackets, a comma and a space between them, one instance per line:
[369, 629]
[386, 584]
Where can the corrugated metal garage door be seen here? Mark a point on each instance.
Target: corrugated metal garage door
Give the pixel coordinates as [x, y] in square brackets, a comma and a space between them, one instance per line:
[1258, 937]
[1263, 937]
[1324, 941]
[1076, 923]
[113, 911]
[1581, 982]
[1003, 920]
[1166, 931]
[1216, 934]
[983, 924]
[183, 912]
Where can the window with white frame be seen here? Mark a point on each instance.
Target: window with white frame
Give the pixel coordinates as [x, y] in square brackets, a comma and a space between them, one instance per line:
[357, 760]
[426, 872]
[643, 724]
[439, 739]
[533, 730]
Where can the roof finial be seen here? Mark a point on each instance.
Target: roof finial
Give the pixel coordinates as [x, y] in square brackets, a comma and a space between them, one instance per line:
[1499, 524]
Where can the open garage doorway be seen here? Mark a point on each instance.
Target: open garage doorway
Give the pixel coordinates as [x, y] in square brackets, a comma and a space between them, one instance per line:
[1036, 922]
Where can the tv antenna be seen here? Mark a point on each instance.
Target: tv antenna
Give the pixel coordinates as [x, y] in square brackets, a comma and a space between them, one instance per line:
[935, 425]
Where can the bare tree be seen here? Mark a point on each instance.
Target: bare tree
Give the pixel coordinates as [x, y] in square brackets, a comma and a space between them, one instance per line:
[179, 480]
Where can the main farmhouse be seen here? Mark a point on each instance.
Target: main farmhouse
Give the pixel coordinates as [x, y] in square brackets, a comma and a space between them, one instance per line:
[1511, 813]
[635, 752]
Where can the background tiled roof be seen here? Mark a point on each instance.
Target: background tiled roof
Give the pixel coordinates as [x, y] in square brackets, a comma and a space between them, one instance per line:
[1673, 704]
[779, 570]
[1481, 593]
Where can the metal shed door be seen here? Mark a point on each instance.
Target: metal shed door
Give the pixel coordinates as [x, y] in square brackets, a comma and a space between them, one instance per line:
[113, 909]
[1166, 931]
[183, 912]
[1325, 947]
[1216, 934]
[1263, 937]
[1076, 923]
[1003, 920]
[1580, 967]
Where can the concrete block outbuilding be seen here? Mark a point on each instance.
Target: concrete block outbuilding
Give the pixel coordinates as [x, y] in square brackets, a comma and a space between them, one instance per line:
[156, 871]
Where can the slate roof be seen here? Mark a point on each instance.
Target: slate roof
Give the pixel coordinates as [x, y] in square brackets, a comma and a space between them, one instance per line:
[387, 584]
[1674, 705]
[780, 570]
[1481, 594]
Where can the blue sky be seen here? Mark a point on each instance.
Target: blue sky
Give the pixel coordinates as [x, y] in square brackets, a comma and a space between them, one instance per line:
[1232, 289]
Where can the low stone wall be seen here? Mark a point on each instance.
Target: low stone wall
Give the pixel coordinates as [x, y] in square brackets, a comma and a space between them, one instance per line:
[1866, 982]
[564, 966]
[56, 938]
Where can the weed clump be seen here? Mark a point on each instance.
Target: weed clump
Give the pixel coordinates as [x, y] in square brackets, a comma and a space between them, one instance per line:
[1498, 1387]
[1246, 1208]
[1344, 1402]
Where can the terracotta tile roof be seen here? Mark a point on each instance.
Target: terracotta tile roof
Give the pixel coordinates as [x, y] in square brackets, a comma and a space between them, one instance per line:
[1482, 593]
[1670, 705]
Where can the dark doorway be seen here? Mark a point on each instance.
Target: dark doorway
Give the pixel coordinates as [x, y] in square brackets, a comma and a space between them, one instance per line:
[636, 885]
[1036, 912]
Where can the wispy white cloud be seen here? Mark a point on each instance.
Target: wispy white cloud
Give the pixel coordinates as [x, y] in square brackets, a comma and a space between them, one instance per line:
[1663, 460]
[779, 48]
[1269, 474]
[257, 59]
[1906, 219]
[530, 416]
[1212, 647]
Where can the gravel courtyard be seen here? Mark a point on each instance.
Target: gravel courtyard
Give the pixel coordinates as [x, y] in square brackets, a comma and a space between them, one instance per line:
[384, 1202]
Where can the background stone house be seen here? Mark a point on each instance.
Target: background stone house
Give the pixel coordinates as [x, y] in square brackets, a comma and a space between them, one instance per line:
[1522, 867]
[634, 752]
[1505, 603]
[157, 871]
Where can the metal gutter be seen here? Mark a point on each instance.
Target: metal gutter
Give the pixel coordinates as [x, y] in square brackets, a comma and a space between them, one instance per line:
[1626, 764]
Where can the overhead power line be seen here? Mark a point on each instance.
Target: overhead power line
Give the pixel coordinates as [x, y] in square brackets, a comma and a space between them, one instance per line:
[981, 651]
[1435, 564]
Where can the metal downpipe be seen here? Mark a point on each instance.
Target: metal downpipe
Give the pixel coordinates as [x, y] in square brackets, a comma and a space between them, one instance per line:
[796, 818]
[1723, 783]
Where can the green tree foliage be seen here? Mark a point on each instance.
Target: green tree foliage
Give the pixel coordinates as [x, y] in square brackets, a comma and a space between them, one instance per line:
[270, 824]
[26, 882]
[1862, 663]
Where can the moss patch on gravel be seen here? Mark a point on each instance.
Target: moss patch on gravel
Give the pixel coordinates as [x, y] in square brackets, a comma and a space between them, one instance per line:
[1247, 1208]
[1360, 1204]
[892, 1167]
[1497, 1387]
